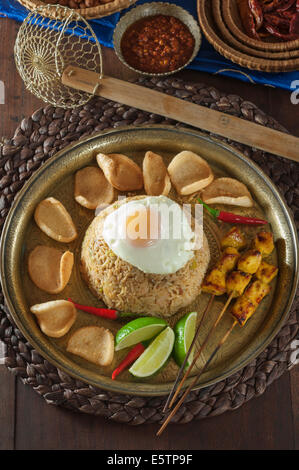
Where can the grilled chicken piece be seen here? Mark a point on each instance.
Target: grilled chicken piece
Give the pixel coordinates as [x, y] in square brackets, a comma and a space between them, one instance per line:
[228, 260]
[214, 282]
[247, 304]
[257, 291]
[236, 282]
[264, 243]
[250, 261]
[266, 272]
[234, 238]
[243, 309]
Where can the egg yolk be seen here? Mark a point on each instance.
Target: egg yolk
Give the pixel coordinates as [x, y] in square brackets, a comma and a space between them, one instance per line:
[143, 228]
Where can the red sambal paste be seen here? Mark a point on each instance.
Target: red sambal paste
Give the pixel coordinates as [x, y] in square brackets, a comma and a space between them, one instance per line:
[157, 44]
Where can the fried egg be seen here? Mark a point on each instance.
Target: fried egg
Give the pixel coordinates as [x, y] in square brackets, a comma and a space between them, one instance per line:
[152, 233]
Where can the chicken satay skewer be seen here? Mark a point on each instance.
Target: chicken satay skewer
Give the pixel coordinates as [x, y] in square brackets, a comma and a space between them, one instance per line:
[182, 368]
[250, 263]
[215, 285]
[236, 283]
[194, 381]
[239, 318]
[244, 308]
[199, 352]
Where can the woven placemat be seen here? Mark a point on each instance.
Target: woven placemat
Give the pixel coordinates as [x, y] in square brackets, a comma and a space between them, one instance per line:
[50, 129]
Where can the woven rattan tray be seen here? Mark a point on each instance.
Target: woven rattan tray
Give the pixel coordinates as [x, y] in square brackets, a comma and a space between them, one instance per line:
[205, 9]
[233, 21]
[89, 13]
[230, 39]
[50, 129]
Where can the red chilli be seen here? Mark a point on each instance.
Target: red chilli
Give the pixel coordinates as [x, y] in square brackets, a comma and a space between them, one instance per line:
[129, 359]
[232, 218]
[99, 312]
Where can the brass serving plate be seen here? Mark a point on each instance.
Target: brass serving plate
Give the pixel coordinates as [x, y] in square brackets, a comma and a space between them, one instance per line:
[55, 178]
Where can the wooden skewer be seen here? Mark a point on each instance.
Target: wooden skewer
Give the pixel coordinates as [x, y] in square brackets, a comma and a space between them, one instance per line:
[207, 309]
[201, 348]
[153, 101]
[193, 383]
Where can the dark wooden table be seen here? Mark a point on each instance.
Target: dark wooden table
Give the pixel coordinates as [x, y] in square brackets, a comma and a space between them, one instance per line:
[27, 422]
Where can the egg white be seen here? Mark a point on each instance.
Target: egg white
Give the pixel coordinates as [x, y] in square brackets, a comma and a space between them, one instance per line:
[169, 253]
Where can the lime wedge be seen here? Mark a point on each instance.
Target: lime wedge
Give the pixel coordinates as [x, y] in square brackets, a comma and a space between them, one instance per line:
[184, 334]
[155, 355]
[138, 330]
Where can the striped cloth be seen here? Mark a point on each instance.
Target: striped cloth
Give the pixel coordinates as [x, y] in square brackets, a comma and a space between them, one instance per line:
[207, 60]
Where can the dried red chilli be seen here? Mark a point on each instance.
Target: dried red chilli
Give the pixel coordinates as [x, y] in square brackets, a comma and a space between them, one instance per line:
[131, 357]
[294, 23]
[257, 13]
[277, 21]
[247, 18]
[286, 14]
[286, 6]
[232, 218]
[276, 32]
[277, 18]
[270, 6]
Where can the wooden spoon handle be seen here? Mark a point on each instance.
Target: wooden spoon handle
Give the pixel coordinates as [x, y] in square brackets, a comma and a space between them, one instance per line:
[249, 133]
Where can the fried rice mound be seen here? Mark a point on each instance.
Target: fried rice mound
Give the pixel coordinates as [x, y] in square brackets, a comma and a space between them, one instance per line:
[124, 287]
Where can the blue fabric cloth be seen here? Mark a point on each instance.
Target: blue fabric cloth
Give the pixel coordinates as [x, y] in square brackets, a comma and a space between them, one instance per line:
[207, 60]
